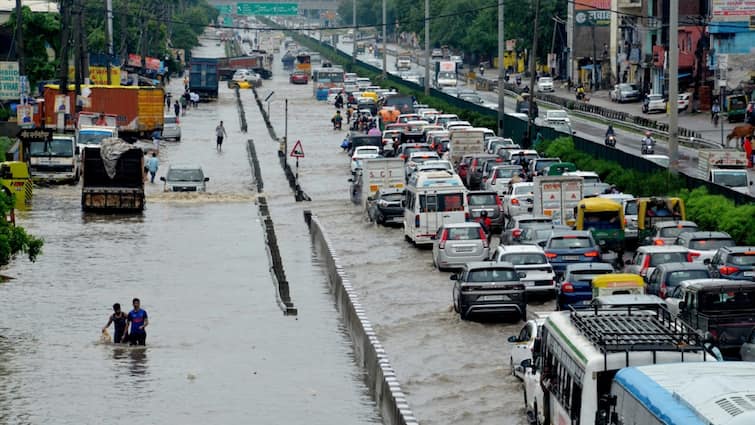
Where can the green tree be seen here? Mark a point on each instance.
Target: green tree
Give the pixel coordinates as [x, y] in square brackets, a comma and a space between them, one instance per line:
[40, 31]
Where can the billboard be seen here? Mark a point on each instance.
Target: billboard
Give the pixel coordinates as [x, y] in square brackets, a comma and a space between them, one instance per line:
[98, 75]
[9, 81]
[136, 62]
[732, 10]
[593, 12]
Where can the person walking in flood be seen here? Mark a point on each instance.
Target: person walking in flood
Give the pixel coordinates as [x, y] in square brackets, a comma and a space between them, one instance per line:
[152, 165]
[220, 133]
[138, 321]
[177, 109]
[118, 319]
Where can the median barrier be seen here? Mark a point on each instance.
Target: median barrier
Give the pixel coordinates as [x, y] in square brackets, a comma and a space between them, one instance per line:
[369, 353]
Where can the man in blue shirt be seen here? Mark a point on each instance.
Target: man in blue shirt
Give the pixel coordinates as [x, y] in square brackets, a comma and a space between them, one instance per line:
[152, 165]
[137, 318]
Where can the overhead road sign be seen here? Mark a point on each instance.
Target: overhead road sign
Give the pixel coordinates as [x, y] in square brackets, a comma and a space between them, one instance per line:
[267, 9]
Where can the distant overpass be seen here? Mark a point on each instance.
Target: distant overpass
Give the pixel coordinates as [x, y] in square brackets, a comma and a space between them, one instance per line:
[309, 7]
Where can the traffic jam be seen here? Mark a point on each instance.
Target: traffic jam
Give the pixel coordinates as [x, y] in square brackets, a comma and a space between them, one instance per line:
[635, 287]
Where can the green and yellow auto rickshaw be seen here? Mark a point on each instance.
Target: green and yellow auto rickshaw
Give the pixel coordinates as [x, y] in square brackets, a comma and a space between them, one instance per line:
[656, 210]
[604, 218]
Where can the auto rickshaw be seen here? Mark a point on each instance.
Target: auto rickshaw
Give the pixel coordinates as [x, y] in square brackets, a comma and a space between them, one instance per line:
[617, 284]
[655, 210]
[16, 182]
[560, 168]
[604, 218]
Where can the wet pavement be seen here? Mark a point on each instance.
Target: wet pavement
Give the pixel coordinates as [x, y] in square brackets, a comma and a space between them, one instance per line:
[452, 371]
[219, 349]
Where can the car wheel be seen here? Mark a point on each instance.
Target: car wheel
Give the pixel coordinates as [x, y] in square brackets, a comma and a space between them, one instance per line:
[463, 312]
[178, 139]
[537, 417]
[380, 219]
[525, 400]
[511, 368]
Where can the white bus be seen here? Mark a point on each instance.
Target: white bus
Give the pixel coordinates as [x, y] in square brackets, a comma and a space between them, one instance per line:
[580, 352]
[433, 198]
[684, 394]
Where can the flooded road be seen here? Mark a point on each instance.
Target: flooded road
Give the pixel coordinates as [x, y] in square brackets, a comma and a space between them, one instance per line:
[219, 350]
[452, 371]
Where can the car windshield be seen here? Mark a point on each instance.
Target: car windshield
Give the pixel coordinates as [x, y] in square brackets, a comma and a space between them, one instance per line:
[674, 278]
[667, 257]
[728, 300]
[655, 97]
[546, 80]
[710, 244]
[492, 275]
[742, 259]
[93, 137]
[506, 172]
[541, 164]
[480, 199]
[463, 233]
[392, 197]
[559, 115]
[185, 175]
[627, 87]
[522, 190]
[171, 120]
[525, 259]
[570, 242]
[672, 232]
[732, 178]
[408, 151]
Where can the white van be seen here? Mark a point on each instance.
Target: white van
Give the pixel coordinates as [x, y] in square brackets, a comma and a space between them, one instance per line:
[433, 198]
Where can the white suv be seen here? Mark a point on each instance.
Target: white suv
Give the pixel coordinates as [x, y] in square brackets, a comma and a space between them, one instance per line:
[171, 128]
[530, 260]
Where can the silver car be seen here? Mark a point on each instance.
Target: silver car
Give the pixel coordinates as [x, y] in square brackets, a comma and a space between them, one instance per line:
[500, 177]
[518, 199]
[531, 260]
[459, 243]
[188, 178]
[171, 128]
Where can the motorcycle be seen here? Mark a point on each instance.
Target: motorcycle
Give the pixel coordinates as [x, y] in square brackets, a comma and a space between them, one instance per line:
[648, 147]
[580, 96]
[518, 80]
[610, 141]
[715, 119]
[336, 123]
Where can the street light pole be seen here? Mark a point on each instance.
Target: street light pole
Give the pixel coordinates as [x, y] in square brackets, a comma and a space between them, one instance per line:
[673, 87]
[427, 47]
[385, 46]
[533, 69]
[354, 37]
[501, 70]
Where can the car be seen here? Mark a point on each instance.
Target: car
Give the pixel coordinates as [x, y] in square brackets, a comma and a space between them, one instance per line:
[524, 342]
[512, 232]
[514, 156]
[489, 288]
[666, 232]
[248, 76]
[530, 260]
[474, 171]
[185, 178]
[733, 262]
[443, 119]
[488, 201]
[171, 128]
[576, 246]
[683, 102]
[538, 234]
[704, 245]
[298, 77]
[747, 352]
[538, 166]
[557, 116]
[459, 243]
[518, 200]
[654, 103]
[624, 93]
[500, 176]
[457, 124]
[545, 84]
[487, 169]
[406, 149]
[436, 165]
[362, 153]
[662, 160]
[666, 277]
[472, 98]
[492, 143]
[386, 206]
[417, 158]
[363, 82]
[575, 286]
[647, 258]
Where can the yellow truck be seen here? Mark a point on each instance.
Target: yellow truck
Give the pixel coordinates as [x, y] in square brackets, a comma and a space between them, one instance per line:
[16, 182]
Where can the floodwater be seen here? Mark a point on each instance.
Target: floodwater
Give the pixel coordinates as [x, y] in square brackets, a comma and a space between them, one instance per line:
[453, 371]
[219, 349]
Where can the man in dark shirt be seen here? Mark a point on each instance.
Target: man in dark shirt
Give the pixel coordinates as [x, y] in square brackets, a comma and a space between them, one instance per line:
[138, 321]
[118, 319]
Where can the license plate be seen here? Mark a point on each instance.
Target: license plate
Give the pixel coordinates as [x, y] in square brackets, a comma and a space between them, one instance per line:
[749, 274]
[492, 298]
[571, 258]
[463, 249]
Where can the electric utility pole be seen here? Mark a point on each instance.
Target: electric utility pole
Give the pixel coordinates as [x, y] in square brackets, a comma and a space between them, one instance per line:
[109, 36]
[427, 47]
[533, 72]
[673, 87]
[20, 38]
[501, 70]
[354, 38]
[385, 47]
[65, 39]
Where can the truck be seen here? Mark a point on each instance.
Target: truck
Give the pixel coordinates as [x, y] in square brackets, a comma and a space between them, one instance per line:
[556, 197]
[404, 61]
[137, 111]
[445, 74]
[726, 167]
[56, 160]
[255, 62]
[113, 177]
[465, 142]
[203, 77]
[379, 173]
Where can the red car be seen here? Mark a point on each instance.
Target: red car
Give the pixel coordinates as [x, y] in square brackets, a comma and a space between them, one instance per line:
[298, 77]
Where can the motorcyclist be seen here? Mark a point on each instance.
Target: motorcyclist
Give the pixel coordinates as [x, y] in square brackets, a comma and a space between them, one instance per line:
[580, 91]
[647, 142]
[339, 101]
[486, 223]
[609, 131]
[715, 109]
[337, 120]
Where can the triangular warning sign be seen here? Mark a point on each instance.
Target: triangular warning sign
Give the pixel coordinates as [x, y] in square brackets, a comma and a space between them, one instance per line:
[553, 196]
[573, 196]
[298, 150]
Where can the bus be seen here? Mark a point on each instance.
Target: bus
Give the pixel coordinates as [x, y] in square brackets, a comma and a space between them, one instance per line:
[303, 62]
[684, 394]
[327, 78]
[580, 351]
[433, 198]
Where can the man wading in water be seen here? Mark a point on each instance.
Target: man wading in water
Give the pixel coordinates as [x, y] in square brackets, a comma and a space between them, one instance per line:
[139, 321]
[118, 319]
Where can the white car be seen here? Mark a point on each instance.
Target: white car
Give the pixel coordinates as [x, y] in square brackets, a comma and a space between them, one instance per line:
[363, 82]
[545, 84]
[185, 178]
[171, 128]
[247, 75]
[362, 153]
[530, 260]
[436, 165]
[654, 103]
[500, 177]
[523, 344]
[557, 116]
[518, 199]
[684, 100]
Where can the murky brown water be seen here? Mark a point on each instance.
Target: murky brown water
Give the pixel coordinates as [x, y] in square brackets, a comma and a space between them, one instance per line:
[219, 349]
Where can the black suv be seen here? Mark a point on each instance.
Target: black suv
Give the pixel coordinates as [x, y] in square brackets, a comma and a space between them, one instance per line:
[733, 262]
[489, 288]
